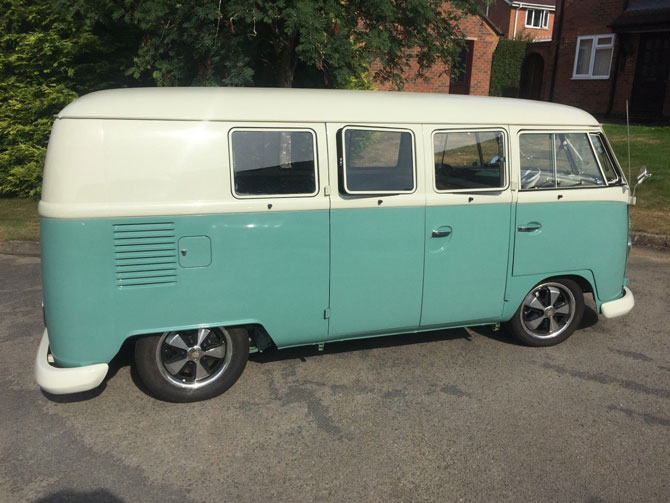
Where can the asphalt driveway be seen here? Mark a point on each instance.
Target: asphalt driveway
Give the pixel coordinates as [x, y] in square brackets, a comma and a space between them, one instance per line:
[458, 415]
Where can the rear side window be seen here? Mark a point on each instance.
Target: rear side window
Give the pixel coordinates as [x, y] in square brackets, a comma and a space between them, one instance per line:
[377, 161]
[558, 160]
[605, 158]
[273, 162]
[467, 160]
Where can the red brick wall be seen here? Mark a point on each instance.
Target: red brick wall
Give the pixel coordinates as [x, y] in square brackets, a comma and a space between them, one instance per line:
[485, 43]
[499, 14]
[504, 15]
[586, 18]
[534, 33]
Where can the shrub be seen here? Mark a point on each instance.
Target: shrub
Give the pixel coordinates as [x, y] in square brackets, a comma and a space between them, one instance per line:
[506, 68]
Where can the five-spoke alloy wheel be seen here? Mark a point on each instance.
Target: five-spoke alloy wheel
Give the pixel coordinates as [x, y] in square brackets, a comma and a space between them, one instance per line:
[549, 314]
[191, 365]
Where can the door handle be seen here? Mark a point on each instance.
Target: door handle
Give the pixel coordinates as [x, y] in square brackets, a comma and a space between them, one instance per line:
[441, 234]
[530, 227]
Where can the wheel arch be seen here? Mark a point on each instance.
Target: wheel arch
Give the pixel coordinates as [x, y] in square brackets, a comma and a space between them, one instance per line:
[259, 337]
[582, 281]
[519, 286]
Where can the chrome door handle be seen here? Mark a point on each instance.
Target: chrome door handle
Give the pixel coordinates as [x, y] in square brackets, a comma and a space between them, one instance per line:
[531, 227]
[440, 234]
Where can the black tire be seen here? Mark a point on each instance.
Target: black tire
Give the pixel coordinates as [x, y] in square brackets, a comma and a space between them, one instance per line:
[191, 365]
[548, 314]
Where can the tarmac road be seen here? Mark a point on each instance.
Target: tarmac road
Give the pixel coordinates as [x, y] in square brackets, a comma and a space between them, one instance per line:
[458, 415]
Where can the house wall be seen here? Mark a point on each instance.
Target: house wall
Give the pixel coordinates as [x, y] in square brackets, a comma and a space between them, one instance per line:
[627, 46]
[534, 33]
[485, 43]
[503, 16]
[499, 14]
[588, 18]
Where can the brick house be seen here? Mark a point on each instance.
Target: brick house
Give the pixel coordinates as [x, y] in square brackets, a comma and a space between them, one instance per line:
[608, 51]
[475, 60]
[532, 20]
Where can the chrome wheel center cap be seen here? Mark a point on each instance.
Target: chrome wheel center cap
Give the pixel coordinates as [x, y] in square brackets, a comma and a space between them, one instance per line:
[194, 354]
[549, 313]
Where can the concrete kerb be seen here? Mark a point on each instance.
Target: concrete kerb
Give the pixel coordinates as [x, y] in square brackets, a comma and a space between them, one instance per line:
[32, 248]
[657, 241]
[28, 248]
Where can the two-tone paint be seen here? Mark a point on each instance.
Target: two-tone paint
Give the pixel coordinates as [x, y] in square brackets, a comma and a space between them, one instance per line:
[142, 232]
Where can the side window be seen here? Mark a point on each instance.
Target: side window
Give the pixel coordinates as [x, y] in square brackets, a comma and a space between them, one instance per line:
[537, 161]
[466, 160]
[273, 162]
[555, 160]
[604, 156]
[378, 161]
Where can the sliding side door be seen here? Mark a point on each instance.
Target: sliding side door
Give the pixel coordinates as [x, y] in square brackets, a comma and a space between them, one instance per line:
[376, 230]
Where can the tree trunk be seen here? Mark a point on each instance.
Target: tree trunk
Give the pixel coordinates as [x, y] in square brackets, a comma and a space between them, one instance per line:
[286, 61]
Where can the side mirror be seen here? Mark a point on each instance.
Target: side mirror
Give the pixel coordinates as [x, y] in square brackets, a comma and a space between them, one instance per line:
[644, 174]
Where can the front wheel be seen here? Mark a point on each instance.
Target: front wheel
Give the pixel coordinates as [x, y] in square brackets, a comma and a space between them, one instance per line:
[549, 314]
[191, 365]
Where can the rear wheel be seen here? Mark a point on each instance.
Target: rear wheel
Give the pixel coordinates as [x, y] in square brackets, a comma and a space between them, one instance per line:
[549, 314]
[191, 365]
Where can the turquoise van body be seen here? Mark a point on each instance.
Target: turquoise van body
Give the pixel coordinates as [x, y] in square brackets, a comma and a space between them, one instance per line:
[309, 269]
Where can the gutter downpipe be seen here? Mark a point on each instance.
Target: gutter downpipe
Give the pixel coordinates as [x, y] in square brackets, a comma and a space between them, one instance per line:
[618, 37]
[559, 32]
[616, 75]
[516, 18]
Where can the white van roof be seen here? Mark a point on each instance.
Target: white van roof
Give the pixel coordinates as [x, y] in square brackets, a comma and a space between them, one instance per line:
[317, 105]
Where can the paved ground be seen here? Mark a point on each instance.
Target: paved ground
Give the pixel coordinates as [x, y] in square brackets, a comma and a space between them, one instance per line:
[459, 415]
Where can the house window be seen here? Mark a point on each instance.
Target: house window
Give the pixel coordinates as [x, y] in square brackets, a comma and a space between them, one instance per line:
[537, 18]
[593, 57]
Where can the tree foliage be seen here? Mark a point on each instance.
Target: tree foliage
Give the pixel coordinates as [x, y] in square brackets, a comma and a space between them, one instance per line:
[46, 59]
[263, 42]
[51, 52]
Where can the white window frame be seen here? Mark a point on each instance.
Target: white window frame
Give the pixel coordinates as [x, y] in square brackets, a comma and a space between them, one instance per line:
[272, 130]
[385, 130]
[554, 132]
[594, 38]
[544, 21]
[609, 155]
[505, 185]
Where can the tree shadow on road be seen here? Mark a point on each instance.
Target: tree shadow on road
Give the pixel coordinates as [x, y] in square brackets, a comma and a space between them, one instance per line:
[71, 496]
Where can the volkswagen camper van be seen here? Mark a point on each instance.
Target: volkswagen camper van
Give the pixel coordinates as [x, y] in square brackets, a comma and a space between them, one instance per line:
[205, 223]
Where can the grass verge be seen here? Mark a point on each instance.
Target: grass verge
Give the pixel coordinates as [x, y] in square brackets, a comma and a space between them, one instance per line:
[649, 146]
[19, 220]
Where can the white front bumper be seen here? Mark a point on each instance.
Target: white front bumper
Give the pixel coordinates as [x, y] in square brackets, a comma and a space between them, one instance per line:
[59, 380]
[620, 306]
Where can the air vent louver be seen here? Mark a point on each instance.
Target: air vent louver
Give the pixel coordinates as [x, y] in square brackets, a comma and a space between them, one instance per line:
[145, 254]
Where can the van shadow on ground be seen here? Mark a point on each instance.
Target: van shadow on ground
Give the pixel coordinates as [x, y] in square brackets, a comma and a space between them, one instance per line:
[125, 357]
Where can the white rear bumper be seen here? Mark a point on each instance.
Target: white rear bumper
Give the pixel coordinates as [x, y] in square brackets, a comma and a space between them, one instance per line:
[58, 380]
[620, 306]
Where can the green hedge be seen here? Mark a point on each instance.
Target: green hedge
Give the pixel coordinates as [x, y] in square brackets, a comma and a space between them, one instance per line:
[506, 68]
[48, 57]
